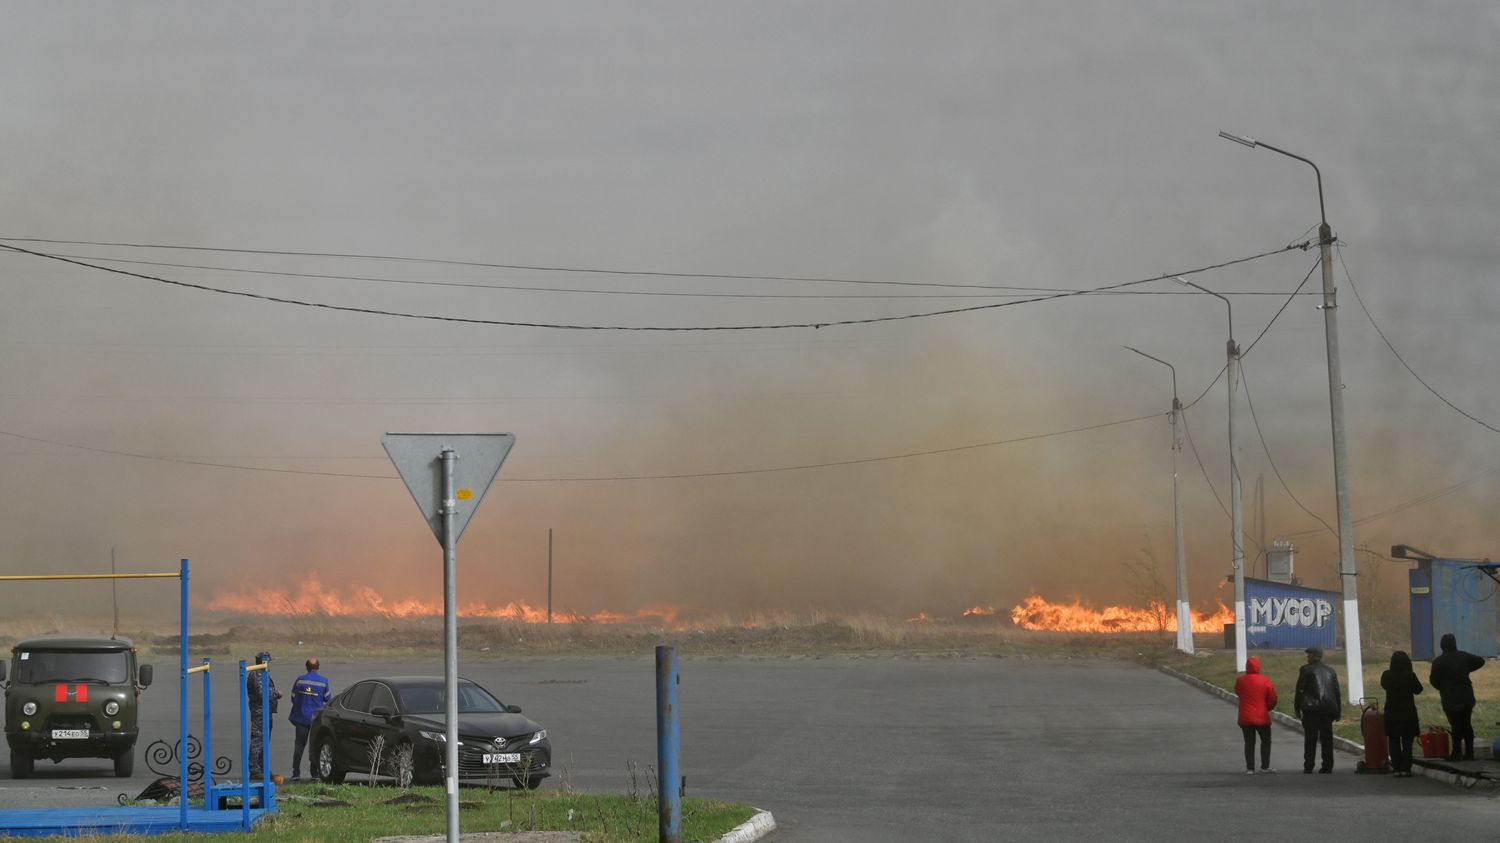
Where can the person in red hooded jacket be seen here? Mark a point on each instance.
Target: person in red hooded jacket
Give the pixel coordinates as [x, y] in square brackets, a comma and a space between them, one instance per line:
[1257, 697]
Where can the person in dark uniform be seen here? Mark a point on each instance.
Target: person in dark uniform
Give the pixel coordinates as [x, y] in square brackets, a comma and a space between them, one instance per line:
[253, 689]
[1401, 726]
[1318, 703]
[309, 693]
[1450, 676]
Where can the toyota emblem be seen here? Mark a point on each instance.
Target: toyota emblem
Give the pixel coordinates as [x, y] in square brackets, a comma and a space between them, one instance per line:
[499, 743]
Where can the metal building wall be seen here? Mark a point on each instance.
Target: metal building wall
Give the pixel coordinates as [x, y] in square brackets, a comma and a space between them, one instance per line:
[1451, 596]
[1280, 616]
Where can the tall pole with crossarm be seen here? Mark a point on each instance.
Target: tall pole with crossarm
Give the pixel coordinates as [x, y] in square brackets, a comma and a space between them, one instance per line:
[1347, 573]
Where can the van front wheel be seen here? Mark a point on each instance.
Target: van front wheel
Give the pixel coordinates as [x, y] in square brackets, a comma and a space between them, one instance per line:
[21, 764]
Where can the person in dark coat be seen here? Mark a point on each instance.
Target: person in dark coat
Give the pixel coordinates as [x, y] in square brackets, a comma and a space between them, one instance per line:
[1401, 726]
[257, 732]
[1318, 703]
[1257, 698]
[1450, 676]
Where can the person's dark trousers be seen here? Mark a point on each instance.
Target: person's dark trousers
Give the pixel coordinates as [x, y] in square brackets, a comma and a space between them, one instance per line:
[1317, 730]
[1400, 749]
[1265, 746]
[299, 743]
[1461, 720]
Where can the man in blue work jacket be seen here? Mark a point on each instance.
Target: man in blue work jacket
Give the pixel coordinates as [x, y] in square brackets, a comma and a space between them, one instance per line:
[309, 693]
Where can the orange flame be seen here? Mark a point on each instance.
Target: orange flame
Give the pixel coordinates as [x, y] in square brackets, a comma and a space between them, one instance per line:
[981, 612]
[921, 617]
[313, 599]
[1037, 613]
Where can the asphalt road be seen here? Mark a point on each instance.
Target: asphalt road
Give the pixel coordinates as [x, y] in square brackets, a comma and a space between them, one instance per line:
[899, 750]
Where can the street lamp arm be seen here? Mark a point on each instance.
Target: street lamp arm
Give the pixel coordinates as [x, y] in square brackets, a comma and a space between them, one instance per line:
[1164, 363]
[1221, 298]
[1252, 143]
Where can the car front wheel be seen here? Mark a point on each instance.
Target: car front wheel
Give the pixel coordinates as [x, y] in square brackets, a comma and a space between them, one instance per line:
[328, 768]
[125, 764]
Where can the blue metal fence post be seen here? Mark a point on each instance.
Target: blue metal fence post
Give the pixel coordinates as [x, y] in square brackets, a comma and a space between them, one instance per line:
[182, 700]
[265, 738]
[208, 733]
[244, 749]
[668, 745]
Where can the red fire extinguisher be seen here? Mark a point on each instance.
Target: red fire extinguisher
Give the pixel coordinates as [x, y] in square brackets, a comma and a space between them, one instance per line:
[1372, 727]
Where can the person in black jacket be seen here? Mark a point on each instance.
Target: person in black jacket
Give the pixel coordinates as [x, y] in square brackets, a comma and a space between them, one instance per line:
[1318, 703]
[1401, 726]
[1450, 675]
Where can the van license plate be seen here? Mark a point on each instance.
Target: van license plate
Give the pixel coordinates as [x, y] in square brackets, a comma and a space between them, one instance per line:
[502, 758]
[70, 734]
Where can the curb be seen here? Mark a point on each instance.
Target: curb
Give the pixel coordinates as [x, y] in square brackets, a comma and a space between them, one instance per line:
[752, 829]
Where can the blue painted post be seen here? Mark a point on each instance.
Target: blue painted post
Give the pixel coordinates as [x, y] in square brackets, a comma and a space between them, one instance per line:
[182, 700]
[266, 796]
[668, 746]
[244, 749]
[208, 733]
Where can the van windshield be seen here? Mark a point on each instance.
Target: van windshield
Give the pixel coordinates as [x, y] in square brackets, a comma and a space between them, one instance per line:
[39, 667]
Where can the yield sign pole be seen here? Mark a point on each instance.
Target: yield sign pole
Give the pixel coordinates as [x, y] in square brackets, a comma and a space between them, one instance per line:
[448, 491]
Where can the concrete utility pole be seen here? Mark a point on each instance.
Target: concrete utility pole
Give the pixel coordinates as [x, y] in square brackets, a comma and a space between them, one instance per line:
[1236, 501]
[1184, 611]
[1347, 573]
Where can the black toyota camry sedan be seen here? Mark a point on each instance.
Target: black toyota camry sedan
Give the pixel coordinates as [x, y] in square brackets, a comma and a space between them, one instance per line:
[395, 727]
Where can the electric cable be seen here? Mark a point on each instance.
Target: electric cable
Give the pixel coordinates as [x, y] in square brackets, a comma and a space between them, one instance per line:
[682, 476]
[1245, 380]
[1402, 360]
[579, 327]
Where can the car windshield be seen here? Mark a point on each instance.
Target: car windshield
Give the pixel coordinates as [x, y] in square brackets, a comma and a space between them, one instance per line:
[433, 699]
[36, 667]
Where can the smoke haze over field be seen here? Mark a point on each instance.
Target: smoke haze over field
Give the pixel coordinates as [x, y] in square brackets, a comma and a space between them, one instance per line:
[1061, 146]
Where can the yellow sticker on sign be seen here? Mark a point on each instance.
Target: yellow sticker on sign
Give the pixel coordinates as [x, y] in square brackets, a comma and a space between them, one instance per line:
[465, 494]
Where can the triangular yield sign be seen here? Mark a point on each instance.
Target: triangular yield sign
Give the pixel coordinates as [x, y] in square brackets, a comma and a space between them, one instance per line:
[419, 459]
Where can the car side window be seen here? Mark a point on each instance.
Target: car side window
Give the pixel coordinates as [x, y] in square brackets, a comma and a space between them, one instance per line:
[358, 698]
[381, 696]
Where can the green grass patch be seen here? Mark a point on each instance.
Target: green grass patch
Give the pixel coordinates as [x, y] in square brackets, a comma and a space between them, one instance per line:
[359, 812]
[1281, 666]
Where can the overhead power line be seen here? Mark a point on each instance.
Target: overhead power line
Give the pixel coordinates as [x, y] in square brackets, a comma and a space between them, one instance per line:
[1439, 396]
[580, 327]
[682, 476]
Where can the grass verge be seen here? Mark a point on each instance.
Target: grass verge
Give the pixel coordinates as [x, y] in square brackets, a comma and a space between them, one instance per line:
[359, 812]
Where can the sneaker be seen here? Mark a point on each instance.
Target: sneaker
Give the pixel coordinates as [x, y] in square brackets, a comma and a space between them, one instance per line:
[1268, 770]
[1326, 771]
[1306, 770]
[1249, 772]
[296, 777]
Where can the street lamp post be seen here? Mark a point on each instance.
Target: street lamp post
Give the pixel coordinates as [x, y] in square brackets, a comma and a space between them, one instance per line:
[1184, 612]
[1236, 505]
[1347, 573]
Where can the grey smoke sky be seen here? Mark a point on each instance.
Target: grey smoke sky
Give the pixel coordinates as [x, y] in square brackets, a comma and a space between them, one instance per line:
[1052, 145]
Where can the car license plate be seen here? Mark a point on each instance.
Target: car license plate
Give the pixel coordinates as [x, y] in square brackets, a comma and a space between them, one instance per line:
[502, 758]
[70, 734]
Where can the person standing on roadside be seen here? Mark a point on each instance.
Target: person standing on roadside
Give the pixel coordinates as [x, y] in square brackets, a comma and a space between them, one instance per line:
[1319, 703]
[1450, 676]
[253, 690]
[1257, 696]
[309, 693]
[1401, 726]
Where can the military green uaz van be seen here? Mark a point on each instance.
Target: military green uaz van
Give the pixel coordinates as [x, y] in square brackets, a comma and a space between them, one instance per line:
[72, 696]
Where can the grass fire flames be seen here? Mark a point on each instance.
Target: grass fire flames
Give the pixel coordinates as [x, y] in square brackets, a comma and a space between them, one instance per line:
[312, 599]
[1036, 613]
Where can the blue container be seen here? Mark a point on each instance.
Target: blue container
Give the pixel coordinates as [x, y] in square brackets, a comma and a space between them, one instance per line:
[1454, 596]
[1289, 617]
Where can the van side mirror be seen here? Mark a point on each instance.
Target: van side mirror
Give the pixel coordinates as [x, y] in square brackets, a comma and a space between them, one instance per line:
[513, 709]
[145, 676]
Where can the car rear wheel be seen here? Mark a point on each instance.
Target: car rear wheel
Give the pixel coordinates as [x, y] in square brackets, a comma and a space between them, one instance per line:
[20, 764]
[125, 764]
[328, 768]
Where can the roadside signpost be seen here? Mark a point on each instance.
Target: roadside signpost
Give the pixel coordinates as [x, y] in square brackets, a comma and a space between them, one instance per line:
[448, 490]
